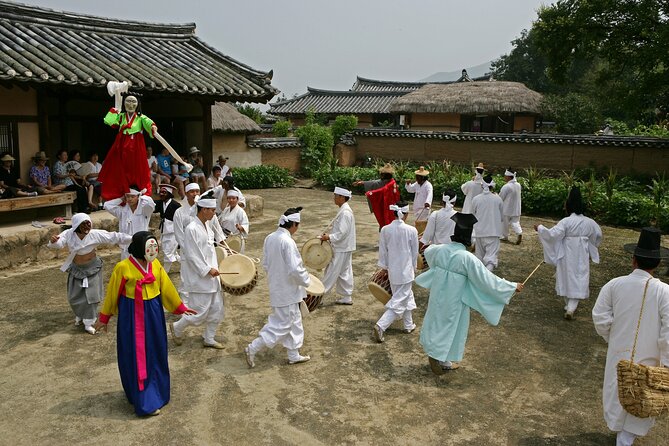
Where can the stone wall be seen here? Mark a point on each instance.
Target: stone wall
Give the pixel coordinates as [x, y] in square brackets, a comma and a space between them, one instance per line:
[288, 158]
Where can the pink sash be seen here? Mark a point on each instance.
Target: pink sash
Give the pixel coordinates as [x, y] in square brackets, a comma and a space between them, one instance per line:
[140, 331]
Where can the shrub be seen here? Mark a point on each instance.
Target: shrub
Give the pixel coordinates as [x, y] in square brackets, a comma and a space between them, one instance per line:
[317, 145]
[251, 112]
[573, 113]
[345, 176]
[281, 128]
[544, 197]
[343, 124]
[261, 177]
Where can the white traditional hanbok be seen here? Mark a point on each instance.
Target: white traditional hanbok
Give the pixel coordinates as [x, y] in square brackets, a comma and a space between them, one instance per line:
[340, 270]
[130, 222]
[287, 279]
[423, 196]
[471, 189]
[221, 196]
[168, 240]
[229, 218]
[440, 227]
[398, 253]
[205, 296]
[569, 246]
[487, 208]
[510, 194]
[615, 315]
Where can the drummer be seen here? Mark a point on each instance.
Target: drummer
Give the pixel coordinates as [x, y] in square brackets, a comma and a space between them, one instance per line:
[287, 279]
[398, 253]
[233, 218]
[342, 238]
[440, 226]
[200, 273]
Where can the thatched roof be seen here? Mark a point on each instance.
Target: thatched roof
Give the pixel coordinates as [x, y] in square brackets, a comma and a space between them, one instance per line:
[226, 118]
[470, 98]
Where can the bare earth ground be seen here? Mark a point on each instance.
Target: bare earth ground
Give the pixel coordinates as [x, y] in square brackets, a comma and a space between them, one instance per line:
[533, 380]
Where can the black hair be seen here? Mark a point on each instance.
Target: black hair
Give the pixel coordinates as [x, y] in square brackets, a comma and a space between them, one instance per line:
[61, 151]
[510, 169]
[646, 263]
[386, 176]
[216, 167]
[289, 211]
[92, 154]
[137, 96]
[138, 244]
[78, 230]
[574, 203]
[134, 186]
[208, 195]
[71, 153]
[231, 181]
[450, 192]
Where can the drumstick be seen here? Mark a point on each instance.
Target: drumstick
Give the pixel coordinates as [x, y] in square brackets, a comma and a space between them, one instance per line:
[226, 273]
[533, 271]
[173, 152]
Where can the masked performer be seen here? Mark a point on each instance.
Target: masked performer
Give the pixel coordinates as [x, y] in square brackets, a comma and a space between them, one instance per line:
[167, 206]
[398, 253]
[342, 237]
[125, 164]
[458, 282]
[138, 290]
[84, 281]
[288, 279]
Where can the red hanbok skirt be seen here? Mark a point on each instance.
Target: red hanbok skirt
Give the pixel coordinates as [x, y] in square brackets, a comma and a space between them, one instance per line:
[124, 166]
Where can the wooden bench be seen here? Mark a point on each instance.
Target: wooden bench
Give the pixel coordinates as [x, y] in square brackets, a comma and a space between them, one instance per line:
[64, 199]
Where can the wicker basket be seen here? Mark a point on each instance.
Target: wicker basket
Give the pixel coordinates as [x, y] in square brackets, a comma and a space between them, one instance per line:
[643, 390]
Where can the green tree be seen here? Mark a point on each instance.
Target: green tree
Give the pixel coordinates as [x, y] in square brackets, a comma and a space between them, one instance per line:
[525, 63]
[625, 39]
[573, 113]
[317, 143]
[282, 128]
[252, 112]
[343, 124]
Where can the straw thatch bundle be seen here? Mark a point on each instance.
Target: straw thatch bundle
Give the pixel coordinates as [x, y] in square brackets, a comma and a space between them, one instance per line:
[643, 391]
[226, 118]
[470, 98]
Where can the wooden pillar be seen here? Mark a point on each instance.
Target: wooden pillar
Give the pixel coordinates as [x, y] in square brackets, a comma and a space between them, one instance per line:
[62, 115]
[206, 148]
[43, 122]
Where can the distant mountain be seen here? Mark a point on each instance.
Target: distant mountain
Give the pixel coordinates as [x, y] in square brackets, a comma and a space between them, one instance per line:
[444, 76]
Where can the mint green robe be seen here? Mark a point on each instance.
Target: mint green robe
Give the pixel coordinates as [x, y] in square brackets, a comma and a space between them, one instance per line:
[458, 281]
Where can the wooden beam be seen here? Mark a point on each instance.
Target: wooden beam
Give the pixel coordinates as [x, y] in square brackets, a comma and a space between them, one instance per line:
[206, 148]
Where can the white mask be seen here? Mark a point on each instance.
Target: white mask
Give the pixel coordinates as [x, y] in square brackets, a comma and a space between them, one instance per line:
[151, 250]
[130, 104]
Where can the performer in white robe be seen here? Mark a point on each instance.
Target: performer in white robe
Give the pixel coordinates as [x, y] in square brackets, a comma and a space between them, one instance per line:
[487, 207]
[167, 207]
[616, 317]
[440, 226]
[233, 218]
[133, 211]
[472, 188]
[569, 246]
[422, 201]
[221, 194]
[287, 279]
[398, 253]
[84, 282]
[200, 272]
[510, 195]
[342, 238]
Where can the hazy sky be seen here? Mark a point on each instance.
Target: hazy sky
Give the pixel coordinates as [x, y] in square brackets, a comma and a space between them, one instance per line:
[325, 44]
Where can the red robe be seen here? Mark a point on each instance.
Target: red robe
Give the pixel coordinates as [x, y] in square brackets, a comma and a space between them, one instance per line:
[381, 199]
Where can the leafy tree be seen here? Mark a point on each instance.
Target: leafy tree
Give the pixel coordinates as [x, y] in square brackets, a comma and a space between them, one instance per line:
[626, 39]
[343, 124]
[252, 112]
[573, 113]
[317, 143]
[282, 128]
[525, 63]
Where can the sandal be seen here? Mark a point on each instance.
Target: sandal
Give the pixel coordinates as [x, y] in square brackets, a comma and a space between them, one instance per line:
[59, 220]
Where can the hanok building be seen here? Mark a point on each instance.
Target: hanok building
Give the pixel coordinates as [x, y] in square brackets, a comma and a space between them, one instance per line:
[54, 67]
[368, 99]
[488, 107]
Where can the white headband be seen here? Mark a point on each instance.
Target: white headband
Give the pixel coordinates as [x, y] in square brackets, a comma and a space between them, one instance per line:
[343, 192]
[192, 186]
[510, 174]
[487, 186]
[448, 199]
[292, 217]
[233, 193]
[135, 192]
[207, 203]
[400, 210]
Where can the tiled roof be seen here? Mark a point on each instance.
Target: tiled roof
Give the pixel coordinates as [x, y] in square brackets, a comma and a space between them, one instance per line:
[584, 140]
[336, 102]
[275, 143]
[42, 45]
[364, 84]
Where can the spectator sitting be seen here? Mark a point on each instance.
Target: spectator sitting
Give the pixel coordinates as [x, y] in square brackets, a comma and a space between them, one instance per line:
[197, 174]
[64, 175]
[156, 177]
[91, 169]
[9, 177]
[179, 178]
[164, 166]
[215, 178]
[41, 176]
[225, 169]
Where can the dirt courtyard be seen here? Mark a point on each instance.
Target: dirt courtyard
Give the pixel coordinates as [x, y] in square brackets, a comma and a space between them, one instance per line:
[533, 380]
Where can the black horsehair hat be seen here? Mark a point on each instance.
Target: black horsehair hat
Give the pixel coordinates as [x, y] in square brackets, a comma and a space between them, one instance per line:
[648, 245]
